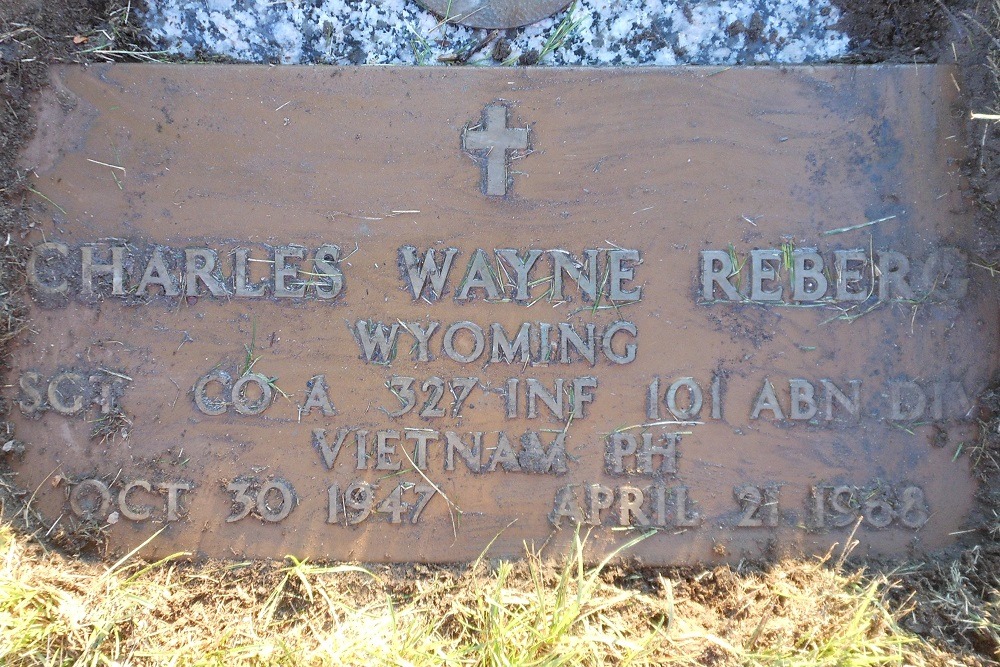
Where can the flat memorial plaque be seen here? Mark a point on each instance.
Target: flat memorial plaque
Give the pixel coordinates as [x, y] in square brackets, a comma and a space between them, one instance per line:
[391, 314]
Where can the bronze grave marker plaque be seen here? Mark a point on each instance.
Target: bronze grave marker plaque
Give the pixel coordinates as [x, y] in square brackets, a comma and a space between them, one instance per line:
[403, 314]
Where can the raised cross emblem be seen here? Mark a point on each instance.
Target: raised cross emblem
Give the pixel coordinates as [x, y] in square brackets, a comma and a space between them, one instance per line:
[497, 140]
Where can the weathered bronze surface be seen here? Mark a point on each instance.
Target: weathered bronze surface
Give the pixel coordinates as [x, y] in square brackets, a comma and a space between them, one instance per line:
[494, 13]
[736, 309]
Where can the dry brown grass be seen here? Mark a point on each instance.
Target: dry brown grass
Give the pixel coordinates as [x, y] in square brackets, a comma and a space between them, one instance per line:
[57, 611]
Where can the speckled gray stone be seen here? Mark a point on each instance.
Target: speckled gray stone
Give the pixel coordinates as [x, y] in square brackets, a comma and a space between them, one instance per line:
[606, 32]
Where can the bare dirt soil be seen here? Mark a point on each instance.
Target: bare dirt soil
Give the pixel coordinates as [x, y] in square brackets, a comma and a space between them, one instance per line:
[951, 602]
[907, 31]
